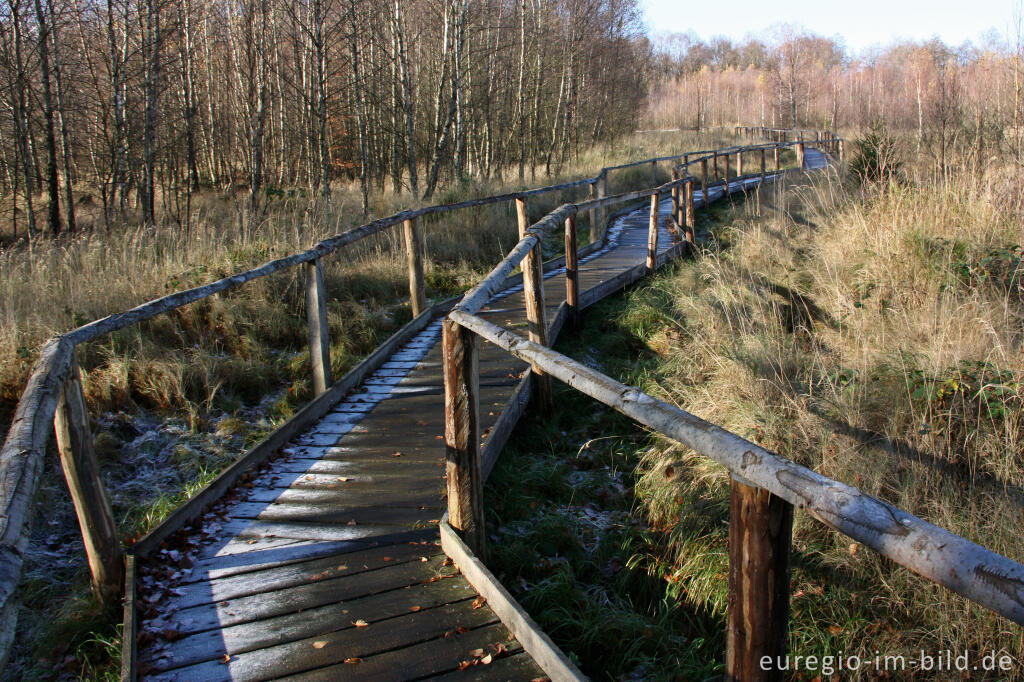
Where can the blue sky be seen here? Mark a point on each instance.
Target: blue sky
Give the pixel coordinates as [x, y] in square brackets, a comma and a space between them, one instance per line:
[862, 24]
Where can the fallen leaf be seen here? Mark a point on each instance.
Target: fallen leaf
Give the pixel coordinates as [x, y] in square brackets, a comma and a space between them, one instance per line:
[319, 644]
[486, 660]
[361, 623]
[344, 478]
[464, 665]
[225, 658]
[353, 661]
[438, 437]
[351, 523]
[414, 609]
[424, 559]
[461, 630]
[396, 454]
[500, 649]
[477, 653]
[835, 630]
[853, 548]
[479, 601]
[387, 558]
[343, 567]
[319, 576]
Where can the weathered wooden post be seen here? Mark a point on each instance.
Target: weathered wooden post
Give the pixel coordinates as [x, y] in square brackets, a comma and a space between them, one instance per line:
[762, 164]
[778, 162]
[82, 473]
[319, 337]
[739, 164]
[652, 233]
[414, 255]
[800, 155]
[572, 284]
[725, 174]
[675, 198]
[704, 179]
[533, 292]
[841, 150]
[691, 218]
[597, 231]
[593, 212]
[760, 539]
[460, 358]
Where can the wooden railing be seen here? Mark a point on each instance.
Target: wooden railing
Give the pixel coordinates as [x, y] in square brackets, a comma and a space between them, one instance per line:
[53, 399]
[765, 486]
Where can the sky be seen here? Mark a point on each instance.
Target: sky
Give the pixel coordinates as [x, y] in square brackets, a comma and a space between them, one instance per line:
[861, 24]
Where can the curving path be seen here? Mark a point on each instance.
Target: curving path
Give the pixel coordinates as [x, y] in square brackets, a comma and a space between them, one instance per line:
[327, 564]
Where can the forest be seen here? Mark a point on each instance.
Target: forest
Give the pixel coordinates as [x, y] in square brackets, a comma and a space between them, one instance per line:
[137, 106]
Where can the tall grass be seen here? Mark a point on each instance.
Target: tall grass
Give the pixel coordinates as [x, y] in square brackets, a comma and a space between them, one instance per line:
[875, 335]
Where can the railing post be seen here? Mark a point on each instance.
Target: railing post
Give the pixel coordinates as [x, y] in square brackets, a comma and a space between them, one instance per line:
[572, 283]
[778, 163]
[691, 219]
[675, 199]
[762, 164]
[319, 337]
[597, 231]
[533, 292]
[800, 155]
[725, 174]
[593, 212]
[414, 255]
[760, 539]
[739, 163]
[462, 434]
[704, 179]
[82, 473]
[652, 233]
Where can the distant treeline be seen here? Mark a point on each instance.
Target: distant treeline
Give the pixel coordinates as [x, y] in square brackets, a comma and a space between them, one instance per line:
[941, 97]
[146, 101]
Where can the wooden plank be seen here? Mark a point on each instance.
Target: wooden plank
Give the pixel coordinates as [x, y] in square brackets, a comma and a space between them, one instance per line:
[414, 257]
[264, 605]
[269, 632]
[433, 657]
[760, 539]
[82, 473]
[516, 667]
[535, 641]
[201, 588]
[462, 434]
[329, 648]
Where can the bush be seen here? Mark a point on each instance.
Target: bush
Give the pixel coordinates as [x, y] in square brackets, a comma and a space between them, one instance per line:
[876, 157]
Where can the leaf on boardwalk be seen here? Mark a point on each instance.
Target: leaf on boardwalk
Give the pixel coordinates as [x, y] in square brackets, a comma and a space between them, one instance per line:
[351, 523]
[318, 576]
[342, 567]
[479, 601]
[225, 658]
[414, 609]
[464, 665]
[396, 454]
[477, 653]
[486, 660]
[353, 661]
[361, 623]
[319, 644]
[343, 479]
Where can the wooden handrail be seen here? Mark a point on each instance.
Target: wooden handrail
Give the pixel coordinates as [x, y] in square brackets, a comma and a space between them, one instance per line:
[765, 486]
[22, 453]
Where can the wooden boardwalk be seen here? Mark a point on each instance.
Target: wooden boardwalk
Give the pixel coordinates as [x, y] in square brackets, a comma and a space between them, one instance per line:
[326, 563]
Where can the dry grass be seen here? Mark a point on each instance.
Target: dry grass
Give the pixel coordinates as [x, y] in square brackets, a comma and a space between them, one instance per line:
[874, 335]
